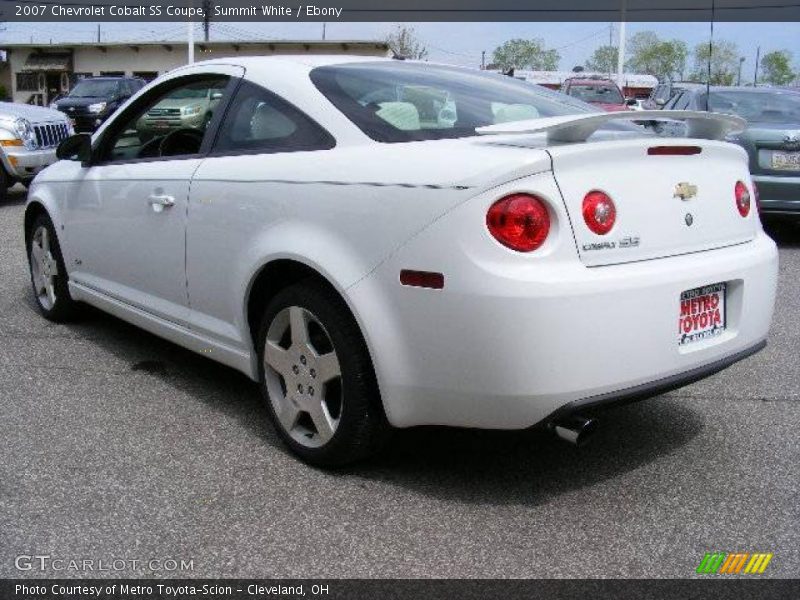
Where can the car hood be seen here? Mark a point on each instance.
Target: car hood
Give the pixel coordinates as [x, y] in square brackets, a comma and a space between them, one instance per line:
[10, 111]
[68, 101]
[179, 102]
[611, 107]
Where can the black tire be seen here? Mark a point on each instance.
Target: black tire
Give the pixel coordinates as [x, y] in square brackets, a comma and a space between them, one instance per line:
[362, 426]
[64, 308]
[5, 183]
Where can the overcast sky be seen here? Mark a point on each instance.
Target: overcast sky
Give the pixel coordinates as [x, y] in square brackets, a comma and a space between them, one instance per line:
[457, 43]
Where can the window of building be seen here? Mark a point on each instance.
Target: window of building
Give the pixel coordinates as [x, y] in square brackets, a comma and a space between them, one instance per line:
[148, 76]
[27, 82]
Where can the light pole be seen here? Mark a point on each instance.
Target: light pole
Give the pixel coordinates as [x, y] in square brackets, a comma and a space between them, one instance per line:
[739, 76]
[755, 74]
[621, 49]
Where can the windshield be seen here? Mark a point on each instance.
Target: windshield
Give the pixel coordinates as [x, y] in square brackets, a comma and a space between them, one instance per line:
[398, 102]
[94, 89]
[759, 107]
[600, 92]
[184, 93]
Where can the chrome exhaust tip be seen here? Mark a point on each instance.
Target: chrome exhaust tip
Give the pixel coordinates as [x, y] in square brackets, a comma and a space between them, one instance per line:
[575, 429]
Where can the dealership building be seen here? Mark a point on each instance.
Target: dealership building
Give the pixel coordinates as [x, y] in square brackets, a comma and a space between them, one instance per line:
[37, 73]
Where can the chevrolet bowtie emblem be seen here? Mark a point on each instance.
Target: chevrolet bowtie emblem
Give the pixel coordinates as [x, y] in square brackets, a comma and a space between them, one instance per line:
[685, 190]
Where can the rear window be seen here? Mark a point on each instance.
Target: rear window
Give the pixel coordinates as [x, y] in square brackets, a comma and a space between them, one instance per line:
[600, 92]
[757, 106]
[400, 102]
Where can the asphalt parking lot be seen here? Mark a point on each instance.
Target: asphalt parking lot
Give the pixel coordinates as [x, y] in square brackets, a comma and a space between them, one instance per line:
[116, 444]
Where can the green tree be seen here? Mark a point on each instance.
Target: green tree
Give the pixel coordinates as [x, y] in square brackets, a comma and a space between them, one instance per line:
[776, 68]
[604, 59]
[404, 42]
[724, 63]
[654, 56]
[526, 54]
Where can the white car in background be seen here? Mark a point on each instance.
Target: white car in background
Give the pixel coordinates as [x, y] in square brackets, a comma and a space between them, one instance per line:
[383, 243]
[29, 136]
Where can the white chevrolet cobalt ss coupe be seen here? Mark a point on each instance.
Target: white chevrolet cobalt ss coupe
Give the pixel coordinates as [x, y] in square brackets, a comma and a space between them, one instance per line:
[382, 243]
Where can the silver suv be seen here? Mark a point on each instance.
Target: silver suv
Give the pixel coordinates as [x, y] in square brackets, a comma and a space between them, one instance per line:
[28, 139]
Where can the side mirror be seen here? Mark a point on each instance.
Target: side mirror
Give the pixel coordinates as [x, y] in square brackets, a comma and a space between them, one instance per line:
[76, 147]
[216, 95]
[660, 102]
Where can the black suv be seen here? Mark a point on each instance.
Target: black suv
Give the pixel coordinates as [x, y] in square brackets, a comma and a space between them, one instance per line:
[94, 99]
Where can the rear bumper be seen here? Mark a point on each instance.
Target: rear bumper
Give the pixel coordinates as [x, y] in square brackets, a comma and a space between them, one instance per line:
[778, 194]
[660, 386]
[503, 352]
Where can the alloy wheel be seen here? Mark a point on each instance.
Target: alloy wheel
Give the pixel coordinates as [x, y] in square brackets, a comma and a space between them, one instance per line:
[44, 268]
[303, 376]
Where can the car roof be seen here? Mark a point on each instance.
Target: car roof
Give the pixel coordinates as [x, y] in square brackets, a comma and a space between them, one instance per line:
[589, 80]
[701, 87]
[107, 78]
[308, 61]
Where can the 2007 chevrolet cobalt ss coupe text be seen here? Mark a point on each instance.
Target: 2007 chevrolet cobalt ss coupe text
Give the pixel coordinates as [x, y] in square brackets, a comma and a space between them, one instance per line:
[381, 243]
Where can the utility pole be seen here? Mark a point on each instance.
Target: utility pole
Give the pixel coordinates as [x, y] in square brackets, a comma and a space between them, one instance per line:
[739, 76]
[758, 58]
[190, 41]
[208, 6]
[621, 50]
[98, 33]
[324, 24]
[483, 60]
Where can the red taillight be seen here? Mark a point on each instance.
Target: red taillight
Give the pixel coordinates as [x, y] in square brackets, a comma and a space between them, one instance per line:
[742, 198]
[519, 221]
[599, 212]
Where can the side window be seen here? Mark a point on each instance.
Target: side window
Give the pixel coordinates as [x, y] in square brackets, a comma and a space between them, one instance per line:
[683, 102]
[170, 121]
[260, 121]
[670, 105]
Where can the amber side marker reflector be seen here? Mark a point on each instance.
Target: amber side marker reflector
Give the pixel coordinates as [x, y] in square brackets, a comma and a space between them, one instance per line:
[424, 279]
[673, 150]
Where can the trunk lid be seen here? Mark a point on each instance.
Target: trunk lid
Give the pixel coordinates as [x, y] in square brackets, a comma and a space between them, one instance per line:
[653, 220]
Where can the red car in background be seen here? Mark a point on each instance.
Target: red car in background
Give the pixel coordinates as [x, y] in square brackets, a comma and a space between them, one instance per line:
[603, 93]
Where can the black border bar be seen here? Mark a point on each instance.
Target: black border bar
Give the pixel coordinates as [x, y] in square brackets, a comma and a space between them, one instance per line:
[406, 10]
[713, 586]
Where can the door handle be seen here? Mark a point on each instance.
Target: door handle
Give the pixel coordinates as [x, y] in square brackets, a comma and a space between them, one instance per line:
[160, 201]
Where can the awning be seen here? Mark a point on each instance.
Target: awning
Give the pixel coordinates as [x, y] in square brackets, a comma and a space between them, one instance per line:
[41, 61]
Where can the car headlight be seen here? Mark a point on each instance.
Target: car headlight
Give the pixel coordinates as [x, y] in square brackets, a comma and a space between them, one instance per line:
[53, 106]
[97, 108]
[189, 111]
[25, 131]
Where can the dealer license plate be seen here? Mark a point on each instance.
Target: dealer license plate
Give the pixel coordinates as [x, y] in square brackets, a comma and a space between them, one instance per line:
[788, 161]
[702, 313]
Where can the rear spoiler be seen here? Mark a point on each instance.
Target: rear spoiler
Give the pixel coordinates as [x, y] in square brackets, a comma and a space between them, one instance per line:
[578, 128]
